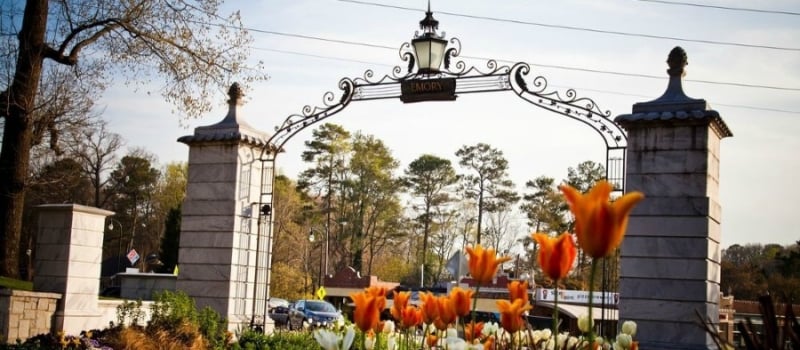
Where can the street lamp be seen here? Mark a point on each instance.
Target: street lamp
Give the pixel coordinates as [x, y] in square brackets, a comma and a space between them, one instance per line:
[307, 258]
[321, 276]
[119, 241]
[429, 47]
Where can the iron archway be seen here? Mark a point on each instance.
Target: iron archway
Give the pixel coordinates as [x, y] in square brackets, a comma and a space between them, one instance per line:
[516, 78]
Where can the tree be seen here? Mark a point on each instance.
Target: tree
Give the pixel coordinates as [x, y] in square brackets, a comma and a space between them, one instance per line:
[429, 179]
[545, 206]
[168, 199]
[132, 188]
[63, 110]
[170, 243]
[444, 236]
[752, 270]
[96, 147]
[742, 271]
[488, 183]
[188, 43]
[58, 182]
[171, 187]
[371, 192]
[583, 177]
[292, 222]
[501, 230]
[328, 151]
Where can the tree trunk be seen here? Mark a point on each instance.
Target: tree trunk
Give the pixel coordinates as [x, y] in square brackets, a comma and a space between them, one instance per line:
[18, 132]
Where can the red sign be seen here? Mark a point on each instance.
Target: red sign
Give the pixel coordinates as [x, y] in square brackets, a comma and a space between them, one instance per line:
[133, 256]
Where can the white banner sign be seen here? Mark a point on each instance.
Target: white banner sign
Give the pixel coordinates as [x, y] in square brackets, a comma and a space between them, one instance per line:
[576, 296]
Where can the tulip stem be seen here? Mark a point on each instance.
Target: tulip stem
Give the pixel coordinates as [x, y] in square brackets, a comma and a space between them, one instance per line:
[592, 274]
[555, 315]
[475, 302]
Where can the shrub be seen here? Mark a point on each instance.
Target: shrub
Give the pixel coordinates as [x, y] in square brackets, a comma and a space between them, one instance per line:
[252, 340]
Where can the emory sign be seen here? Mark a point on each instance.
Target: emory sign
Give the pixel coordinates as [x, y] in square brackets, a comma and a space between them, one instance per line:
[417, 90]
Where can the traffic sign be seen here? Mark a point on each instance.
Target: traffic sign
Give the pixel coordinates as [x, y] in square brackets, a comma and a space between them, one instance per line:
[321, 293]
[133, 256]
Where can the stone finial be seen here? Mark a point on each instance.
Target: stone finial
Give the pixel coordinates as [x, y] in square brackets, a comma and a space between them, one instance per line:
[677, 60]
[235, 94]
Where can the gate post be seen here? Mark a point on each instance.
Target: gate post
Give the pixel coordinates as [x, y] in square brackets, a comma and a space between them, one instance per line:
[219, 225]
[69, 250]
[670, 259]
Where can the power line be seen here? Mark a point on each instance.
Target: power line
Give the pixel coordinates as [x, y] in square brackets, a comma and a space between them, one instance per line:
[321, 56]
[619, 93]
[584, 29]
[294, 35]
[724, 7]
[579, 69]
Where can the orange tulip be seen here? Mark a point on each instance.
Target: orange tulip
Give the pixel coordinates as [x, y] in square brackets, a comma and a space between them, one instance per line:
[518, 290]
[399, 304]
[489, 343]
[447, 312]
[430, 307]
[472, 331]
[599, 224]
[556, 255]
[431, 340]
[366, 314]
[461, 299]
[380, 294]
[511, 314]
[411, 316]
[440, 325]
[483, 264]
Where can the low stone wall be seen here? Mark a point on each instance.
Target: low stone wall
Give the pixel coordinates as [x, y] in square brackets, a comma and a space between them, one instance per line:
[25, 314]
[144, 286]
[108, 313]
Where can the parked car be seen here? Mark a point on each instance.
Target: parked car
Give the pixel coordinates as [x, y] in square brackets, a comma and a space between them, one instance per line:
[317, 313]
[279, 315]
[279, 311]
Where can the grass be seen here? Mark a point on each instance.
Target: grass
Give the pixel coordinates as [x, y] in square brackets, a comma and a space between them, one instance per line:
[11, 283]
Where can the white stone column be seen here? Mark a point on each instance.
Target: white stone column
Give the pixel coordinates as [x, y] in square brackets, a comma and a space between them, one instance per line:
[69, 249]
[671, 254]
[219, 229]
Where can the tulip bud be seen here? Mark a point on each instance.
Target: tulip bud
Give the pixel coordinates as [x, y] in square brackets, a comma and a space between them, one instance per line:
[629, 328]
[585, 324]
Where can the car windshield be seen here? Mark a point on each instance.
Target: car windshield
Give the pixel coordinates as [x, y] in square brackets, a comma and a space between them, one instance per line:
[320, 306]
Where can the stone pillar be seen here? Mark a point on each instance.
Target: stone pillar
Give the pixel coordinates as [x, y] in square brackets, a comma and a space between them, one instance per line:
[219, 226]
[671, 253]
[69, 249]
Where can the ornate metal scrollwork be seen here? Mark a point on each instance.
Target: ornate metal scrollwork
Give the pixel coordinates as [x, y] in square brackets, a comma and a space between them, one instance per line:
[469, 79]
[310, 115]
[582, 109]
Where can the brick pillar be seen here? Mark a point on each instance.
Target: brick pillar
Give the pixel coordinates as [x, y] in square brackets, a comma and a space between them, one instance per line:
[219, 226]
[671, 254]
[69, 249]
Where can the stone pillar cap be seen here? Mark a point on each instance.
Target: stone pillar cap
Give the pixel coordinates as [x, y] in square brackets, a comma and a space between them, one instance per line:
[232, 128]
[674, 104]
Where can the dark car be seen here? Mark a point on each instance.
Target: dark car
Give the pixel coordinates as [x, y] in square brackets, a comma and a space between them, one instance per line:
[279, 315]
[279, 311]
[317, 313]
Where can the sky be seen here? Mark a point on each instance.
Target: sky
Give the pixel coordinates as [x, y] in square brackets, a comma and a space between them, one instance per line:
[746, 64]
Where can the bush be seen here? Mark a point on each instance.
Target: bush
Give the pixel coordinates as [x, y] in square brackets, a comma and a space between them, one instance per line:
[176, 312]
[252, 340]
